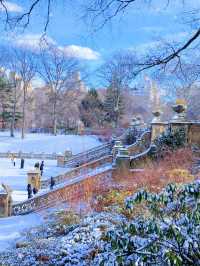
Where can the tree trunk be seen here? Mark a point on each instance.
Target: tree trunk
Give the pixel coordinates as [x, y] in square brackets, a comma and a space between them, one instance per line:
[23, 112]
[54, 119]
[12, 126]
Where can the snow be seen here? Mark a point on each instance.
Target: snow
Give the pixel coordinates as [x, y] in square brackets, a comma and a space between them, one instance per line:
[13, 227]
[46, 143]
[16, 178]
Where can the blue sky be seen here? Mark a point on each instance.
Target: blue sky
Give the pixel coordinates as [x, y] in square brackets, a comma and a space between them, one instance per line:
[139, 28]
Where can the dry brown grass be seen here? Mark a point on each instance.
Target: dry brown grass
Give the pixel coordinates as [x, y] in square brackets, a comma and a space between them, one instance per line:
[174, 167]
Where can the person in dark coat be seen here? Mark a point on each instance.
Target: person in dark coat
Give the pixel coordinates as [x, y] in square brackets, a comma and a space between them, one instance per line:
[22, 163]
[42, 167]
[52, 183]
[29, 190]
[35, 191]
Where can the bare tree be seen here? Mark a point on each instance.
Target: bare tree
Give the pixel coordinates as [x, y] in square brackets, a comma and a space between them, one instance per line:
[15, 82]
[23, 63]
[103, 11]
[57, 70]
[117, 73]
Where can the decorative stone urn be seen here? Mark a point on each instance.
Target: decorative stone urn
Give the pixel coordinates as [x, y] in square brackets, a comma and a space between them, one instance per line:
[156, 114]
[180, 110]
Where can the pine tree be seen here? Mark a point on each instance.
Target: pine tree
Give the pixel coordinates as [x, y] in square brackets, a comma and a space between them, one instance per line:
[91, 109]
[113, 105]
[7, 102]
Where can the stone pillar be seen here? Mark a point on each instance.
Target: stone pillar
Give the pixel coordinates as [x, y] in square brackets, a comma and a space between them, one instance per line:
[178, 121]
[68, 154]
[123, 159]
[5, 201]
[157, 128]
[34, 178]
[118, 145]
[60, 160]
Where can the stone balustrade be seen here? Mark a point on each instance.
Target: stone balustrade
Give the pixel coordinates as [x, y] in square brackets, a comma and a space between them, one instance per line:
[83, 169]
[29, 155]
[89, 155]
[142, 143]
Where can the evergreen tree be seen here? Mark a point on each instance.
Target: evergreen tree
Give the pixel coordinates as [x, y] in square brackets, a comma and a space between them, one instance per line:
[5, 94]
[113, 105]
[91, 109]
[7, 101]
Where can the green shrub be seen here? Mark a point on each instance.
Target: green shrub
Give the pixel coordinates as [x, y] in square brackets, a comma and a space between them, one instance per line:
[170, 236]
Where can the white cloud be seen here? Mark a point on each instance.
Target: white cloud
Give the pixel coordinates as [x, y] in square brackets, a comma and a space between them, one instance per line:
[11, 7]
[34, 41]
[80, 52]
[31, 41]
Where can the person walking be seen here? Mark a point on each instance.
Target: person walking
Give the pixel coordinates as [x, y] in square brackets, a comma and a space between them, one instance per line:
[29, 190]
[52, 183]
[22, 163]
[42, 167]
[35, 191]
[14, 162]
[13, 159]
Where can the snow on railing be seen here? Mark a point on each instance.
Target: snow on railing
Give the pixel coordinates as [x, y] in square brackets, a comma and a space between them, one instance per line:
[29, 155]
[141, 144]
[83, 169]
[89, 155]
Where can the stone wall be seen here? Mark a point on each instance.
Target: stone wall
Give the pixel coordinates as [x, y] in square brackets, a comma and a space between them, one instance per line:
[83, 169]
[157, 129]
[81, 189]
[194, 134]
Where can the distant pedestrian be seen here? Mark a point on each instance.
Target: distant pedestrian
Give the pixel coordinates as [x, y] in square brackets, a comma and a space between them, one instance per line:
[29, 190]
[22, 163]
[52, 183]
[13, 159]
[42, 167]
[35, 191]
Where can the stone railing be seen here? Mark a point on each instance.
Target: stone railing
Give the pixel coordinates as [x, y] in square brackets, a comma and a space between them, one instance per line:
[141, 158]
[83, 169]
[89, 155]
[29, 155]
[141, 144]
[79, 188]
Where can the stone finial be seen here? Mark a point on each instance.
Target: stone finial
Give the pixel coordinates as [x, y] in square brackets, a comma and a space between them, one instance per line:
[156, 114]
[180, 109]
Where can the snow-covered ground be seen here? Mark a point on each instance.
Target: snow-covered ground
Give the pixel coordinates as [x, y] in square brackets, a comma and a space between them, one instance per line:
[11, 228]
[47, 143]
[16, 178]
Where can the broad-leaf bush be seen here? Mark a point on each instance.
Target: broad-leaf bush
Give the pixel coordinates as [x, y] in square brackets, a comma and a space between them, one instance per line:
[169, 236]
[171, 139]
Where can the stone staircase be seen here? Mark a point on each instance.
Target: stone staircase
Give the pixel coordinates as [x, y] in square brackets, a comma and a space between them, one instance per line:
[89, 155]
[94, 165]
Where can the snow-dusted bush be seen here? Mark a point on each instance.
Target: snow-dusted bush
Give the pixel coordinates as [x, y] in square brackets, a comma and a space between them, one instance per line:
[170, 235]
[171, 139]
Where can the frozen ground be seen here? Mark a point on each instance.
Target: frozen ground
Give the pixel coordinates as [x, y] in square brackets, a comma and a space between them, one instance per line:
[47, 143]
[11, 228]
[16, 178]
